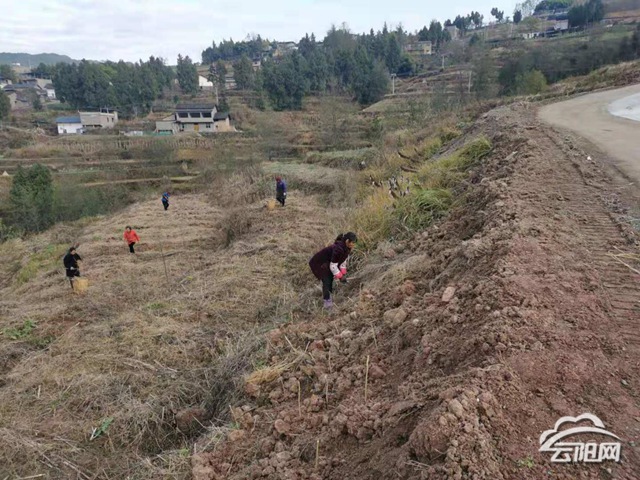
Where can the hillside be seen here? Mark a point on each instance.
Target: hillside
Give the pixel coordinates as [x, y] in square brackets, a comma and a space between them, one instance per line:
[491, 295]
[26, 59]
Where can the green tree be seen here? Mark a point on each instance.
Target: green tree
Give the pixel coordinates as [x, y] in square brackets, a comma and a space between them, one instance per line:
[318, 71]
[243, 73]
[187, 75]
[393, 54]
[285, 83]
[37, 104]
[43, 71]
[407, 66]
[517, 17]
[217, 74]
[484, 76]
[7, 72]
[585, 14]
[499, 14]
[635, 43]
[31, 198]
[5, 106]
[371, 79]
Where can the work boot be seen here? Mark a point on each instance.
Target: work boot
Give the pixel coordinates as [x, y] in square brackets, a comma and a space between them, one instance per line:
[328, 304]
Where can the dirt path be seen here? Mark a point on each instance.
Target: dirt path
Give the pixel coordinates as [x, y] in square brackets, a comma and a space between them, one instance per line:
[588, 116]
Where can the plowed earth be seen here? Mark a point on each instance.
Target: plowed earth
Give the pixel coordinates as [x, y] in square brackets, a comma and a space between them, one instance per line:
[539, 321]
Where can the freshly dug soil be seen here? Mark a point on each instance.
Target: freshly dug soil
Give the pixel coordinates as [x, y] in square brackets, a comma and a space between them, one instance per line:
[483, 332]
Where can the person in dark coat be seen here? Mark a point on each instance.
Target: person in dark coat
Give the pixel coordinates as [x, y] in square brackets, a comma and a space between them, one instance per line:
[330, 264]
[281, 190]
[70, 261]
[165, 200]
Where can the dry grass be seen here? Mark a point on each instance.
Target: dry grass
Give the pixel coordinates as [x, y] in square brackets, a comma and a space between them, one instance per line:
[267, 374]
[147, 342]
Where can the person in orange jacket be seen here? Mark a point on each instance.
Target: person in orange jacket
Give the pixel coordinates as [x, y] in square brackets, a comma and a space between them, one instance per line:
[131, 237]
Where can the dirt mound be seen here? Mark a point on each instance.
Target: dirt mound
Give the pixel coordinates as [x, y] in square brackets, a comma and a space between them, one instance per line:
[483, 331]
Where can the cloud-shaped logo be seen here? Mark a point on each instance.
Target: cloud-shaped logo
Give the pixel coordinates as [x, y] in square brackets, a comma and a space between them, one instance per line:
[550, 437]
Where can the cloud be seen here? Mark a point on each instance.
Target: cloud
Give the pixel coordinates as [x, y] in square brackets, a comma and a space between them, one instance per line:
[135, 29]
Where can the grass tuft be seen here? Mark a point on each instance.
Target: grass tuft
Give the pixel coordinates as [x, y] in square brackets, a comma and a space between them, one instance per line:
[42, 260]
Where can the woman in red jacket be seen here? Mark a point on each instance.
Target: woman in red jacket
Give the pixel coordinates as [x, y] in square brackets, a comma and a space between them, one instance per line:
[330, 264]
[131, 237]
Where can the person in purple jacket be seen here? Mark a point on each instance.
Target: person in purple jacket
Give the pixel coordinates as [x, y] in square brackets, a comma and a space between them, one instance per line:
[281, 190]
[330, 264]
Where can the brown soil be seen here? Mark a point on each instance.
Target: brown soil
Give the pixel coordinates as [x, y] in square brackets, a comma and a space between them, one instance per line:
[540, 322]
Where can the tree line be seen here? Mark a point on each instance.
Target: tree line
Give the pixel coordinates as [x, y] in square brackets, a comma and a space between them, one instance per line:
[342, 62]
[131, 88]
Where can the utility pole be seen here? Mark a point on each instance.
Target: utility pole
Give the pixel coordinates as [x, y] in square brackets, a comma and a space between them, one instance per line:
[470, 74]
[393, 83]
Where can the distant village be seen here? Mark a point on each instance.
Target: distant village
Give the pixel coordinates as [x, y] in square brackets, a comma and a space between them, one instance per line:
[205, 117]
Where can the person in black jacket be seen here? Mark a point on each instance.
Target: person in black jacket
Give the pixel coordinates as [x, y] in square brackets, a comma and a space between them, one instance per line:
[330, 264]
[70, 261]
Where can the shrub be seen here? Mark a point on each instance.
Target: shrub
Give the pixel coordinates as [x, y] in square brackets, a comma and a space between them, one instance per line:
[7, 232]
[72, 202]
[531, 83]
[31, 198]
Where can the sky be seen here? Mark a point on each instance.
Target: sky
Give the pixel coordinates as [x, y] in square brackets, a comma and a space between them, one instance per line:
[131, 30]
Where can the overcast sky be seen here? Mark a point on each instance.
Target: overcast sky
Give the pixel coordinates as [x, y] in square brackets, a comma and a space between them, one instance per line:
[135, 29]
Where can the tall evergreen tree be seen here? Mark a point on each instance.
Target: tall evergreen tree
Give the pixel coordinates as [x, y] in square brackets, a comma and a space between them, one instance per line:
[243, 73]
[187, 75]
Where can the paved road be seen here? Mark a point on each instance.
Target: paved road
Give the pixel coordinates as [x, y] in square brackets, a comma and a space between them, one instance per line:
[591, 117]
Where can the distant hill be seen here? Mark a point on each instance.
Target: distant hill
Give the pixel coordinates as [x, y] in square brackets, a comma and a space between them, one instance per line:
[26, 59]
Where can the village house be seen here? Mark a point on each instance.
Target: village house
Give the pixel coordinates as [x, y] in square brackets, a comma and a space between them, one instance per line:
[222, 122]
[102, 119]
[284, 48]
[69, 125]
[229, 82]
[419, 48]
[204, 84]
[85, 121]
[167, 126]
[202, 118]
[25, 87]
[51, 91]
[4, 82]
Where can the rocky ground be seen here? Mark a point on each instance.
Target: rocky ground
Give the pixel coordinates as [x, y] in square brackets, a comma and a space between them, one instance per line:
[467, 342]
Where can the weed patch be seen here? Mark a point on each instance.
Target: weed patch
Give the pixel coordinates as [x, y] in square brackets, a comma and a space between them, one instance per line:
[382, 217]
[42, 260]
[19, 333]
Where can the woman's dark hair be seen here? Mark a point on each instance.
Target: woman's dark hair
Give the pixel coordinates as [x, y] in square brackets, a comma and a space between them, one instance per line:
[72, 249]
[127, 227]
[343, 237]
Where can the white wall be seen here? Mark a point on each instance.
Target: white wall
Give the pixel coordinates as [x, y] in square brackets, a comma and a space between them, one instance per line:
[69, 128]
[204, 83]
[51, 94]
